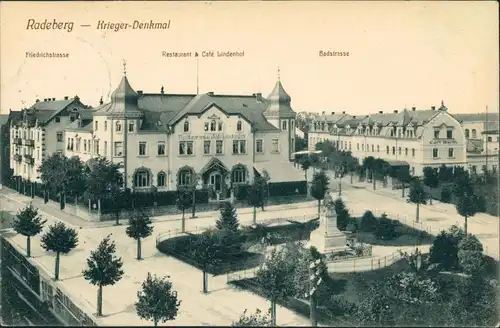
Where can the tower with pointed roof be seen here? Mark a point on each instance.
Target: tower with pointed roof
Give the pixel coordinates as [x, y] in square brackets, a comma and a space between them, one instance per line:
[280, 113]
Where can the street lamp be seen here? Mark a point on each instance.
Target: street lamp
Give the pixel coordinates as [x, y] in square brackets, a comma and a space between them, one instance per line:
[314, 281]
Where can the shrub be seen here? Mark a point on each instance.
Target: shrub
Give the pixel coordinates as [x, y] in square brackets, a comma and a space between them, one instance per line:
[444, 249]
[342, 214]
[337, 306]
[446, 194]
[386, 228]
[241, 192]
[369, 222]
[287, 188]
[352, 226]
[470, 254]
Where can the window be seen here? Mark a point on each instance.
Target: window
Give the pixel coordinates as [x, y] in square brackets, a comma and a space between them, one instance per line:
[96, 146]
[239, 126]
[118, 148]
[160, 148]
[219, 147]
[387, 149]
[105, 125]
[474, 133]
[207, 126]
[141, 178]
[118, 126]
[373, 148]
[363, 147]
[239, 175]
[38, 154]
[161, 179]
[490, 139]
[59, 137]
[239, 146]
[406, 151]
[130, 126]
[436, 134]
[72, 118]
[399, 150]
[185, 177]
[467, 133]
[292, 125]
[378, 148]
[450, 152]
[142, 148]
[84, 145]
[105, 147]
[283, 125]
[435, 153]
[474, 167]
[219, 126]
[96, 125]
[413, 152]
[292, 143]
[449, 134]
[186, 126]
[357, 145]
[394, 150]
[213, 125]
[275, 146]
[185, 148]
[38, 136]
[206, 147]
[494, 169]
[58, 119]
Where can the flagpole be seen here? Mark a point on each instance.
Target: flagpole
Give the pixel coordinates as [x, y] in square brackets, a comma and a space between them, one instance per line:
[197, 74]
[486, 130]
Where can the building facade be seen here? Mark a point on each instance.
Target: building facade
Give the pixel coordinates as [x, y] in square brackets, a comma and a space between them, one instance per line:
[417, 138]
[38, 132]
[168, 141]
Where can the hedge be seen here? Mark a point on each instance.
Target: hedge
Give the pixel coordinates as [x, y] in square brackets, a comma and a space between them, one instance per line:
[287, 188]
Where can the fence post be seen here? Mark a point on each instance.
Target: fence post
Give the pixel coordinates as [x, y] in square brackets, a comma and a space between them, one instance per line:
[354, 265]
[385, 261]
[372, 263]
[379, 263]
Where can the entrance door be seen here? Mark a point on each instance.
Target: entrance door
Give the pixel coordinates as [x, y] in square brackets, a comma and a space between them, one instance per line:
[216, 181]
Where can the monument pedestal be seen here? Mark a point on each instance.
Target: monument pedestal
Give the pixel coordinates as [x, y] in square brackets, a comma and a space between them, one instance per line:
[327, 238]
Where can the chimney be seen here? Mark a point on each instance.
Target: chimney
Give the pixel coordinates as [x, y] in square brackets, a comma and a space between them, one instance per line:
[396, 111]
[323, 113]
[38, 100]
[433, 107]
[162, 90]
[413, 109]
[333, 113]
[65, 97]
[381, 112]
[258, 96]
[53, 99]
[100, 101]
[211, 93]
[343, 112]
[354, 116]
[139, 92]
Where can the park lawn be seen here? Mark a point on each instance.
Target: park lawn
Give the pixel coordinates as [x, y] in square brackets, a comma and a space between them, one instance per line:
[6, 220]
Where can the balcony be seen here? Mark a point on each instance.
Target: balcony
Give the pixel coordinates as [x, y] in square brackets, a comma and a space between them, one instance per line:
[18, 141]
[29, 159]
[29, 142]
[18, 158]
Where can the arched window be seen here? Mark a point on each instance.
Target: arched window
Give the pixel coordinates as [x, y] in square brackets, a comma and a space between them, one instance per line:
[467, 133]
[394, 150]
[387, 149]
[186, 126]
[474, 133]
[161, 179]
[239, 174]
[142, 178]
[239, 126]
[212, 125]
[118, 126]
[413, 152]
[219, 126]
[185, 177]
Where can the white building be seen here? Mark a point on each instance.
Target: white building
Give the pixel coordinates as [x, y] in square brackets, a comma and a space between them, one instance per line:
[161, 140]
[38, 131]
[416, 138]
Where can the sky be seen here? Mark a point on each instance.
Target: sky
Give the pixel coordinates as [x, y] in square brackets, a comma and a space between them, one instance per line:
[401, 54]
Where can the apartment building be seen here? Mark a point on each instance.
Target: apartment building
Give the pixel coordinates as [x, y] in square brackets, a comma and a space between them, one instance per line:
[38, 131]
[162, 141]
[416, 138]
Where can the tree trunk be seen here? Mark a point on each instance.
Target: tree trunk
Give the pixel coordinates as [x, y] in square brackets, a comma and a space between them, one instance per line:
[56, 270]
[254, 215]
[418, 211]
[465, 225]
[340, 186]
[99, 301]
[194, 204]
[117, 217]
[205, 281]
[138, 248]
[352, 177]
[155, 322]
[319, 208]
[374, 181]
[312, 311]
[273, 313]
[430, 196]
[183, 220]
[28, 246]
[403, 190]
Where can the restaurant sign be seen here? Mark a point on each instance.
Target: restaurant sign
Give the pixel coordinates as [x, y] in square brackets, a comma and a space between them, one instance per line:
[443, 142]
[211, 136]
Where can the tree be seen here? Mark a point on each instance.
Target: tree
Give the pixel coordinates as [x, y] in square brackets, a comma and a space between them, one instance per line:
[256, 196]
[157, 301]
[227, 226]
[369, 222]
[467, 206]
[386, 228]
[59, 239]
[275, 278]
[462, 183]
[470, 254]
[377, 308]
[369, 166]
[431, 180]
[194, 182]
[183, 203]
[103, 268]
[139, 226]
[342, 214]
[265, 180]
[352, 167]
[300, 143]
[208, 252]
[403, 175]
[445, 173]
[104, 180]
[257, 319]
[28, 223]
[305, 164]
[444, 249]
[319, 187]
[378, 169]
[417, 195]
[75, 177]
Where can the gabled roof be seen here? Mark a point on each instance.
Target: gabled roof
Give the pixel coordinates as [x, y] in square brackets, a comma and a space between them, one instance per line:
[476, 117]
[45, 111]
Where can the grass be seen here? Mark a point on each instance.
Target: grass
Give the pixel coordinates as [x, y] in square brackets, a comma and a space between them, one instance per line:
[6, 219]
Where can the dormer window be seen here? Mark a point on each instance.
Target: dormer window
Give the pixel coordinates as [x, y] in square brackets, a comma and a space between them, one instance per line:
[284, 126]
[186, 126]
[213, 125]
[239, 126]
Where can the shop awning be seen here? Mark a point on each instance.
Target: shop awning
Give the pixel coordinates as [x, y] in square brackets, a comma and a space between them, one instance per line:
[280, 171]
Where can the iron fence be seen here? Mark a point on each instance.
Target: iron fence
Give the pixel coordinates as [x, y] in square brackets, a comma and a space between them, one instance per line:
[241, 275]
[363, 264]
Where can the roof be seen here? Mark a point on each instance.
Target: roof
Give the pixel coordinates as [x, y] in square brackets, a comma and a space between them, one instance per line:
[44, 111]
[278, 102]
[491, 132]
[477, 117]
[4, 118]
[124, 102]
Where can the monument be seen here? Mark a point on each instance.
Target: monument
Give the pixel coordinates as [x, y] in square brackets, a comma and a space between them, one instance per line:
[327, 238]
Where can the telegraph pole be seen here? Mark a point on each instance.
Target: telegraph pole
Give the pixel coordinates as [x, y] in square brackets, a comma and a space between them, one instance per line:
[486, 143]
